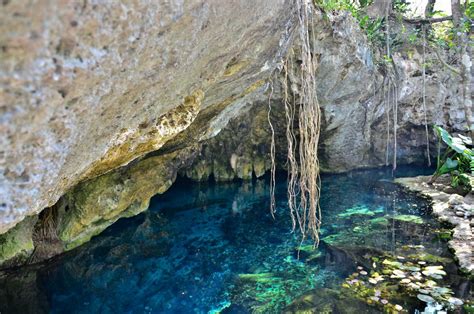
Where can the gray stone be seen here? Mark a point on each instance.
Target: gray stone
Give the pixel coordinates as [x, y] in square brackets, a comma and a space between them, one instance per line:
[94, 88]
[425, 298]
[463, 233]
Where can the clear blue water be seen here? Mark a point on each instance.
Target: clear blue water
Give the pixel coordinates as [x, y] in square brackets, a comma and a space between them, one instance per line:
[208, 247]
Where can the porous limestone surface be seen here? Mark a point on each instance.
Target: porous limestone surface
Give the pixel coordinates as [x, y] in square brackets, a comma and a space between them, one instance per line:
[87, 87]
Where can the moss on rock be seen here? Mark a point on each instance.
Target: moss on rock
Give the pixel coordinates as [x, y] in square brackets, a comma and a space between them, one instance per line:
[16, 245]
[96, 204]
[409, 218]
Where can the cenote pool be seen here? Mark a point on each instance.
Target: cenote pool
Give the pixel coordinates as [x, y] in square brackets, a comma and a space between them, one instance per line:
[210, 248]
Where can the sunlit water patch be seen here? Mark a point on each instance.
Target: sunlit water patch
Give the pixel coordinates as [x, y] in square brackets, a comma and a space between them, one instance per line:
[209, 248]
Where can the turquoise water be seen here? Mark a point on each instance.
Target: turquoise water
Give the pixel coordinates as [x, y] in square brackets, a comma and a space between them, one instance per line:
[204, 248]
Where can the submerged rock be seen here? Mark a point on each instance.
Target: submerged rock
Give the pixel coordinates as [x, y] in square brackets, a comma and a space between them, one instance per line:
[436, 272]
[443, 208]
[328, 301]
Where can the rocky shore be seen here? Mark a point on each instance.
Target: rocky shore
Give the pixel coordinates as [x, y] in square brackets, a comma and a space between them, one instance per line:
[454, 209]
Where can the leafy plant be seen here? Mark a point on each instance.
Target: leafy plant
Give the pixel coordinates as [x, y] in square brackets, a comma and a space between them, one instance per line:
[373, 28]
[413, 37]
[469, 9]
[401, 7]
[457, 160]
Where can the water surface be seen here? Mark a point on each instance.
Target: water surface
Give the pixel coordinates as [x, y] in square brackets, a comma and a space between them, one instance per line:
[214, 247]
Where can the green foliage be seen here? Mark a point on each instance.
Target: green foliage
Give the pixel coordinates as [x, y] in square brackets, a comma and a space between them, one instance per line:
[445, 34]
[469, 10]
[442, 34]
[413, 37]
[347, 5]
[372, 27]
[400, 6]
[458, 160]
[387, 59]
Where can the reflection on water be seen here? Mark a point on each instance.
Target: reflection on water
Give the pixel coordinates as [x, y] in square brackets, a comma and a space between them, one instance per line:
[214, 247]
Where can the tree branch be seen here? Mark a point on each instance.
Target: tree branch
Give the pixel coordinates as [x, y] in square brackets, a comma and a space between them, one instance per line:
[428, 21]
[448, 66]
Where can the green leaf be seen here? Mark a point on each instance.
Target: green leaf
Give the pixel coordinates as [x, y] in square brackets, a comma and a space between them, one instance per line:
[456, 143]
[466, 140]
[451, 164]
[448, 166]
[444, 135]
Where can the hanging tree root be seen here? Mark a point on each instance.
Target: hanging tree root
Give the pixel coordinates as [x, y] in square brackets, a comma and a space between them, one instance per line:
[424, 97]
[303, 162]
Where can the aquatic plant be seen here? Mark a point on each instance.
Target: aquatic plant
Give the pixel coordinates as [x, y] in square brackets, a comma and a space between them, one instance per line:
[409, 218]
[457, 160]
[271, 292]
[359, 210]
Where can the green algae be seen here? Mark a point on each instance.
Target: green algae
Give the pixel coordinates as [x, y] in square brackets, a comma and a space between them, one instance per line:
[430, 258]
[309, 252]
[334, 238]
[270, 292]
[444, 234]
[261, 277]
[16, 245]
[469, 308]
[326, 300]
[359, 210]
[96, 204]
[409, 218]
[379, 221]
[315, 256]
[392, 264]
[309, 248]
[221, 307]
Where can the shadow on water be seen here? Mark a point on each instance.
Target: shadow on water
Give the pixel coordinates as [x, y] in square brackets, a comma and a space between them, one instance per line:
[215, 247]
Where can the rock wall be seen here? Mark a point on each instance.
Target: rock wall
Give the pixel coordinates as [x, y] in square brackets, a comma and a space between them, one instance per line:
[88, 87]
[352, 94]
[176, 98]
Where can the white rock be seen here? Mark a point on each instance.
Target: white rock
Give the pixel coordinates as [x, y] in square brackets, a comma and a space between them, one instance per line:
[425, 298]
[455, 301]
[397, 273]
